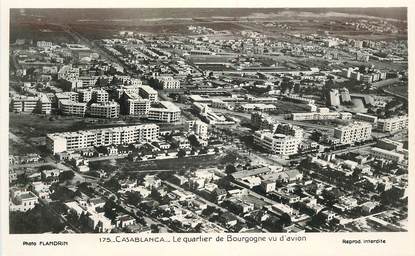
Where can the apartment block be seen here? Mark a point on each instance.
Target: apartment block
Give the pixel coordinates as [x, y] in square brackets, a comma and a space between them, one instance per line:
[164, 111]
[100, 96]
[278, 144]
[24, 104]
[198, 128]
[84, 95]
[146, 92]
[386, 154]
[168, 82]
[261, 120]
[72, 96]
[354, 132]
[333, 98]
[72, 108]
[106, 110]
[138, 107]
[393, 124]
[366, 118]
[68, 73]
[71, 141]
[44, 104]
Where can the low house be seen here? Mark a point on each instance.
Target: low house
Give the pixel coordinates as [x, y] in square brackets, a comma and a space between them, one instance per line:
[40, 189]
[23, 201]
[228, 219]
[97, 202]
[124, 221]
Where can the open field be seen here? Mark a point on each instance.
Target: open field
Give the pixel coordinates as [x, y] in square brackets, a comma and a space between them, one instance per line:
[104, 29]
[398, 89]
[185, 163]
[39, 31]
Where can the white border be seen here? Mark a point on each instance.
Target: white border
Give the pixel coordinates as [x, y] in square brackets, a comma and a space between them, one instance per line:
[317, 244]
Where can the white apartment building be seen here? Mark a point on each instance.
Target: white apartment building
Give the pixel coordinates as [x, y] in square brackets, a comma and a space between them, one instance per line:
[72, 108]
[261, 120]
[44, 44]
[86, 81]
[354, 132]
[138, 107]
[147, 92]
[257, 106]
[72, 96]
[44, 104]
[198, 128]
[24, 104]
[71, 141]
[132, 89]
[393, 124]
[164, 111]
[320, 116]
[99, 96]
[85, 95]
[289, 129]
[387, 154]
[68, 73]
[106, 110]
[334, 97]
[279, 144]
[217, 103]
[168, 82]
[366, 118]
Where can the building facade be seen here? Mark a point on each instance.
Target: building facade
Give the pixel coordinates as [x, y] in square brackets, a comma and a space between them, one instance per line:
[393, 124]
[278, 144]
[164, 111]
[355, 132]
[72, 108]
[106, 110]
[71, 141]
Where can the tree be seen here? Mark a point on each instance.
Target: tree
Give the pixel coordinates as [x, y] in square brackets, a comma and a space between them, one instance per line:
[23, 179]
[115, 81]
[154, 228]
[316, 136]
[66, 175]
[110, 209]
[297, 88]
[230, 169]
[113, 184]
[391, 196]
[194, 142]
[134, 198]
[181, 153]
[62, 193]
[285, 219]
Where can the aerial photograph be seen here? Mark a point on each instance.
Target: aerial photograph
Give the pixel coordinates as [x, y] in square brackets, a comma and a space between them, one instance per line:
[208, 120]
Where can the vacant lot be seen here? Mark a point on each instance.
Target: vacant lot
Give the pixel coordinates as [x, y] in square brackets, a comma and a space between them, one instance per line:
[186, 163]
[398, 89]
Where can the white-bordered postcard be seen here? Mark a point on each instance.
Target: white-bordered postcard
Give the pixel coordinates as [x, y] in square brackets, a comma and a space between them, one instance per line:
[207, 128]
